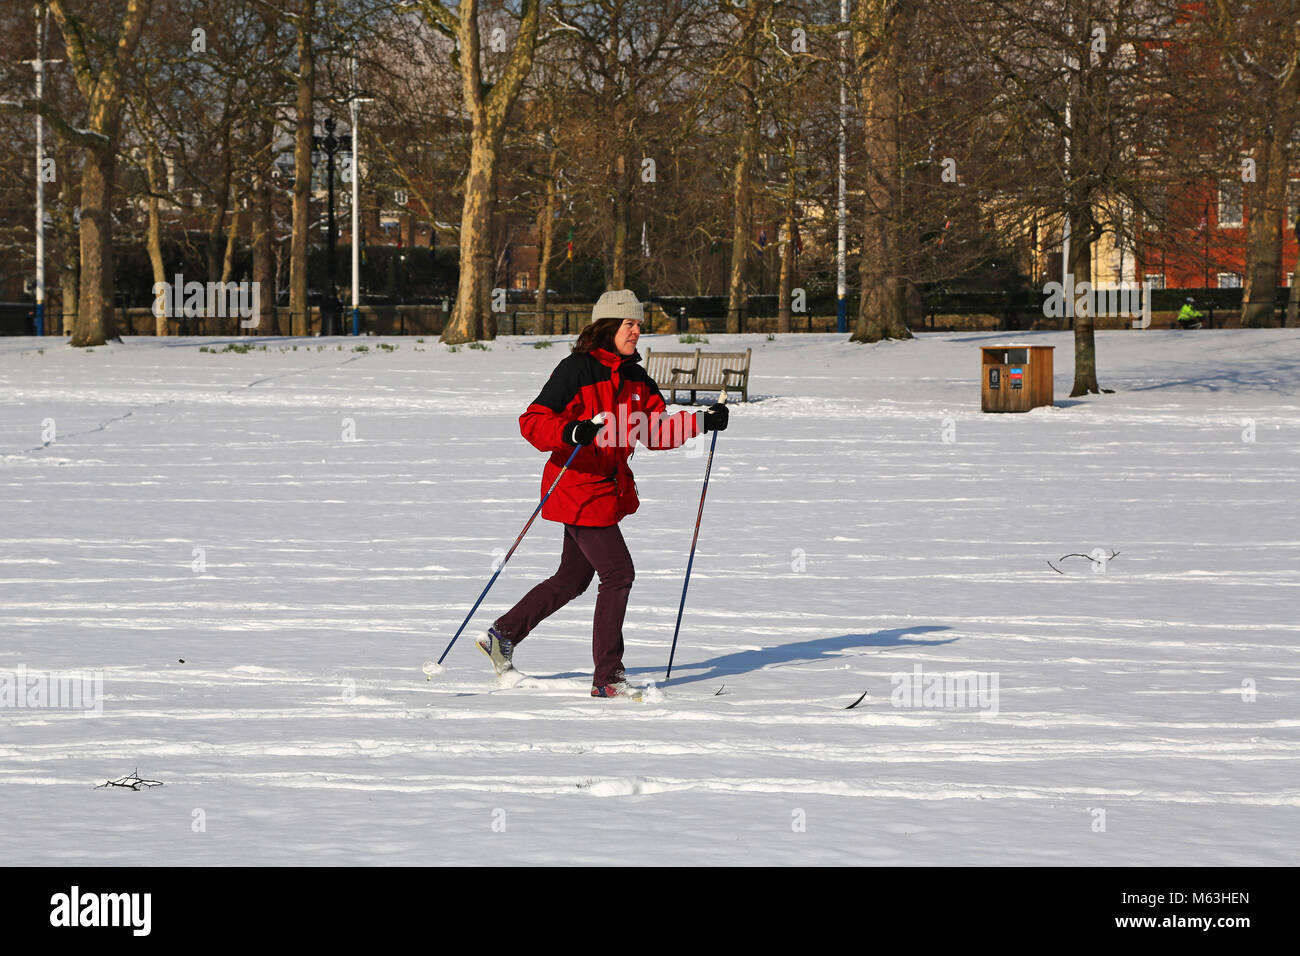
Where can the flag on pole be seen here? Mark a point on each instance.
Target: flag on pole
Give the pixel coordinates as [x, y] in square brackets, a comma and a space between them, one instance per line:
[569, 254]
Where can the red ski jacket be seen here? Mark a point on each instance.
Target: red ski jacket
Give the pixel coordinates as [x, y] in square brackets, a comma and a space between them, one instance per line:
[598, 489]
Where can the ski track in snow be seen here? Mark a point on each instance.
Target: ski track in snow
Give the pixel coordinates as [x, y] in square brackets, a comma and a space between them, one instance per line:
[1162, 691]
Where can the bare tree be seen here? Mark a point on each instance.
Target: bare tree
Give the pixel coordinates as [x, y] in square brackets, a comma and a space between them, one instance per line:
[878, 30]
[1260, 46]
[488, 105]
[99, 62]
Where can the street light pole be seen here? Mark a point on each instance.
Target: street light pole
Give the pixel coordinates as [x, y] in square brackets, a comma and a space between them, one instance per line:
[329, 144]
[354, 104]
[355, 108]
[38, 65]
[841, 253]
[1069, 196]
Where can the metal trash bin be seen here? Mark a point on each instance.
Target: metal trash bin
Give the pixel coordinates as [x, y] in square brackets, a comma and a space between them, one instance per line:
[1016, 378]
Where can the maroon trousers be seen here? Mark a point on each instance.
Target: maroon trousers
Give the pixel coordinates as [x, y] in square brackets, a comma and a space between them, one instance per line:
[587, 552]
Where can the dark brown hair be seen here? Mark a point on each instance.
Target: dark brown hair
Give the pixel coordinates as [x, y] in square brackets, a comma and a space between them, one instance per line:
[599, 335]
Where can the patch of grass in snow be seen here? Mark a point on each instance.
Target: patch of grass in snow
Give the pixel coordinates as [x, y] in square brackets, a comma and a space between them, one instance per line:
[360, 348]
[691, 339]
[479, 346]
[542, 345]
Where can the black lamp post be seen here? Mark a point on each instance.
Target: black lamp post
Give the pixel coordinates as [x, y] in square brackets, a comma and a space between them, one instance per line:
[329, 144]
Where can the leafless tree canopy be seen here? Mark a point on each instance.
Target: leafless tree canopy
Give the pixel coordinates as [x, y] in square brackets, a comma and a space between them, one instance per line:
[677, 147]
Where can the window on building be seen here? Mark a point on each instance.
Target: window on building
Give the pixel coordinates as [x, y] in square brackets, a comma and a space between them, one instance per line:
[1293, 201]
[521, 281]
[1230, 200]
[1157, 279]
[1229, 280]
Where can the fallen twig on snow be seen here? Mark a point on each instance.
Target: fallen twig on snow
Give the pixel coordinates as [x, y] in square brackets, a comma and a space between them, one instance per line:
[132, 781]
[1077, 555]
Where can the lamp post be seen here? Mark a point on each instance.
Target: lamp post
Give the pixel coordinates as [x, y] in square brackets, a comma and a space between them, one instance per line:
[38, 65]
[329, 144]
[841, 248]
[354, 104]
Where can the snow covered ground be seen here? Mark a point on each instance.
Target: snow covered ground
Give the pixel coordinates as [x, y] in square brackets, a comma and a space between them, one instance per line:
[257, 594]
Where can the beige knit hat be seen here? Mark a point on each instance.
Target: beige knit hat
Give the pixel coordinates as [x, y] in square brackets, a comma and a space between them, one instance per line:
[622, 304]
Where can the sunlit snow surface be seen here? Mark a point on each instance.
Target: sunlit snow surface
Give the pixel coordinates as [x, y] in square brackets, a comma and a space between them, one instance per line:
[1147, 713]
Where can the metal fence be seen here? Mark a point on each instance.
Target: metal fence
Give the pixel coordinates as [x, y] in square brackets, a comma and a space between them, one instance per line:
[1221, 308]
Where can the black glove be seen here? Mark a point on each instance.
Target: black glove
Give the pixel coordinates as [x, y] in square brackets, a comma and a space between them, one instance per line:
[715, 418]
[581, 433]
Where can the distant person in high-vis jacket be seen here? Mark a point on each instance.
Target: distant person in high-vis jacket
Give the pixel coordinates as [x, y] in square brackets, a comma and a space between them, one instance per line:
[603, 374]
[1189, 317]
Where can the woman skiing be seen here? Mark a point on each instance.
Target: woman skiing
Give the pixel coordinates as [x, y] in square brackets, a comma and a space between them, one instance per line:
[601, 375]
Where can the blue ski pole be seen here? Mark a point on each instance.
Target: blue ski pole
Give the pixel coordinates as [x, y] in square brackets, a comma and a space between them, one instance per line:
[430, 667]
[687, 583]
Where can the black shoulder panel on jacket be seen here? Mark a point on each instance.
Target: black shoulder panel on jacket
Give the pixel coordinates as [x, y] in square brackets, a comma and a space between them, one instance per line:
[567, 380]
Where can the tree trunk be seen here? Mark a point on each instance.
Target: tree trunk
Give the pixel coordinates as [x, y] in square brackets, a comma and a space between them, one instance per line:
[1265, 201]
[260, 227]
[546, 229]
[217, 240]
[154, 240]
[622, 224]
[882, 310]
[1293, 298]
[742, 225]
[742, 175]
[100, 84]
[69, 286]
[94, 325]
[232, 233]
[488, 108]
[69, 237]
[1085, 346]
[306, 126]
[785, 312]
[471, 319]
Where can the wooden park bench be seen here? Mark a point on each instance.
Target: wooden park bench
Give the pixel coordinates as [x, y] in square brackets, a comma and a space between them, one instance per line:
[699, 371]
